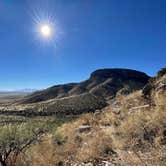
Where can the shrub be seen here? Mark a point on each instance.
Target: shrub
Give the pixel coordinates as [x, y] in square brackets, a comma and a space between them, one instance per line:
[100, 144]
[161, 72]
[141, 129]
[130, 131]
[147, 90]
[43, 153]
[14, 139]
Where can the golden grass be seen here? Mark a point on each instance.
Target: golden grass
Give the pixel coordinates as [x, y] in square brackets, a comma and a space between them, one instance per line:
[137, 136]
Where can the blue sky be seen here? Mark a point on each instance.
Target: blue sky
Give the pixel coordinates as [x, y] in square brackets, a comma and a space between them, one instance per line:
[91, 34]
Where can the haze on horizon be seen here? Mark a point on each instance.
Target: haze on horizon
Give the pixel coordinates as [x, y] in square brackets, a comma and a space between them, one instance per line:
[79, 37]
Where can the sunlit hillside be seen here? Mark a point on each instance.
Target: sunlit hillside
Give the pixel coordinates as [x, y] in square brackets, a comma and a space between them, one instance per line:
[128, 130]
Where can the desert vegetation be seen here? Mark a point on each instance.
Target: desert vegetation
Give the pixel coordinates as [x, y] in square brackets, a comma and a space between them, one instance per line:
[131, 134]
[129, 129]
[18, 134]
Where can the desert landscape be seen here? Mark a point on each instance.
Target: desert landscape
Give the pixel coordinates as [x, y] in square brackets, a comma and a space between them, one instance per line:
[116, 117]
[83, 83]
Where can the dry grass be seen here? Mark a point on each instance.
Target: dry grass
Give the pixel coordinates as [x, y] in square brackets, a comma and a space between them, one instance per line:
[136, 137]
[43, 153]
[132, 100]
[105, 140]
[95, 146]
[141, 129]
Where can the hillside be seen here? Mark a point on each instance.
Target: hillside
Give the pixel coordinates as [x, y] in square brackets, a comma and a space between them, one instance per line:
[125, 130]
[130, 131]
[103, 83]
[77, 98]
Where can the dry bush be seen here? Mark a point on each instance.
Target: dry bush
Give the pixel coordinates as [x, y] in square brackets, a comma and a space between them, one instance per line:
[43, 153]
[140, 129]
[134, 99]
[134, 133]
[158, 124]
[68, 144]
[87, 145]
[96, 146]
[49, 152]
[130, 131]
[160, 98]
[161, 72]
[110, 118]
[159, 116]
[23, 159]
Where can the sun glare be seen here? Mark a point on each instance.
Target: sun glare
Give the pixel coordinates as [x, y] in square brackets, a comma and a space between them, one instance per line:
[46, 30]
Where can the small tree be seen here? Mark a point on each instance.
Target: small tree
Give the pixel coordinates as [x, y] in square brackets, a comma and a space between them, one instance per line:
[15, 139]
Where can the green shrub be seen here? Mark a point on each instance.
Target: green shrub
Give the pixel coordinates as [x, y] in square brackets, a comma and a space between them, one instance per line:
[14, 139]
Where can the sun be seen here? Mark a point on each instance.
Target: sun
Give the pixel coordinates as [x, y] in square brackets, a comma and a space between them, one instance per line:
[46, 30]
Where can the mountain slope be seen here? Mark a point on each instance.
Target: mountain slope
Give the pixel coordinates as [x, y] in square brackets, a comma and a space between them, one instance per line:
[104, 83]
[133, 135]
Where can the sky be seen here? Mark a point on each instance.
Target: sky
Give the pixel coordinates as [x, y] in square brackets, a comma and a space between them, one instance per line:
[87, 35]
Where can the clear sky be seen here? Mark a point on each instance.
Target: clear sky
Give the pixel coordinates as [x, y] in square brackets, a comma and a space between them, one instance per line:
[88, 35]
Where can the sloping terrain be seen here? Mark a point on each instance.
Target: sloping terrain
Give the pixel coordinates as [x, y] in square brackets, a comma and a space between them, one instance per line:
[103, 83]
[78, 98]
[130, 131]
[74, 105]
